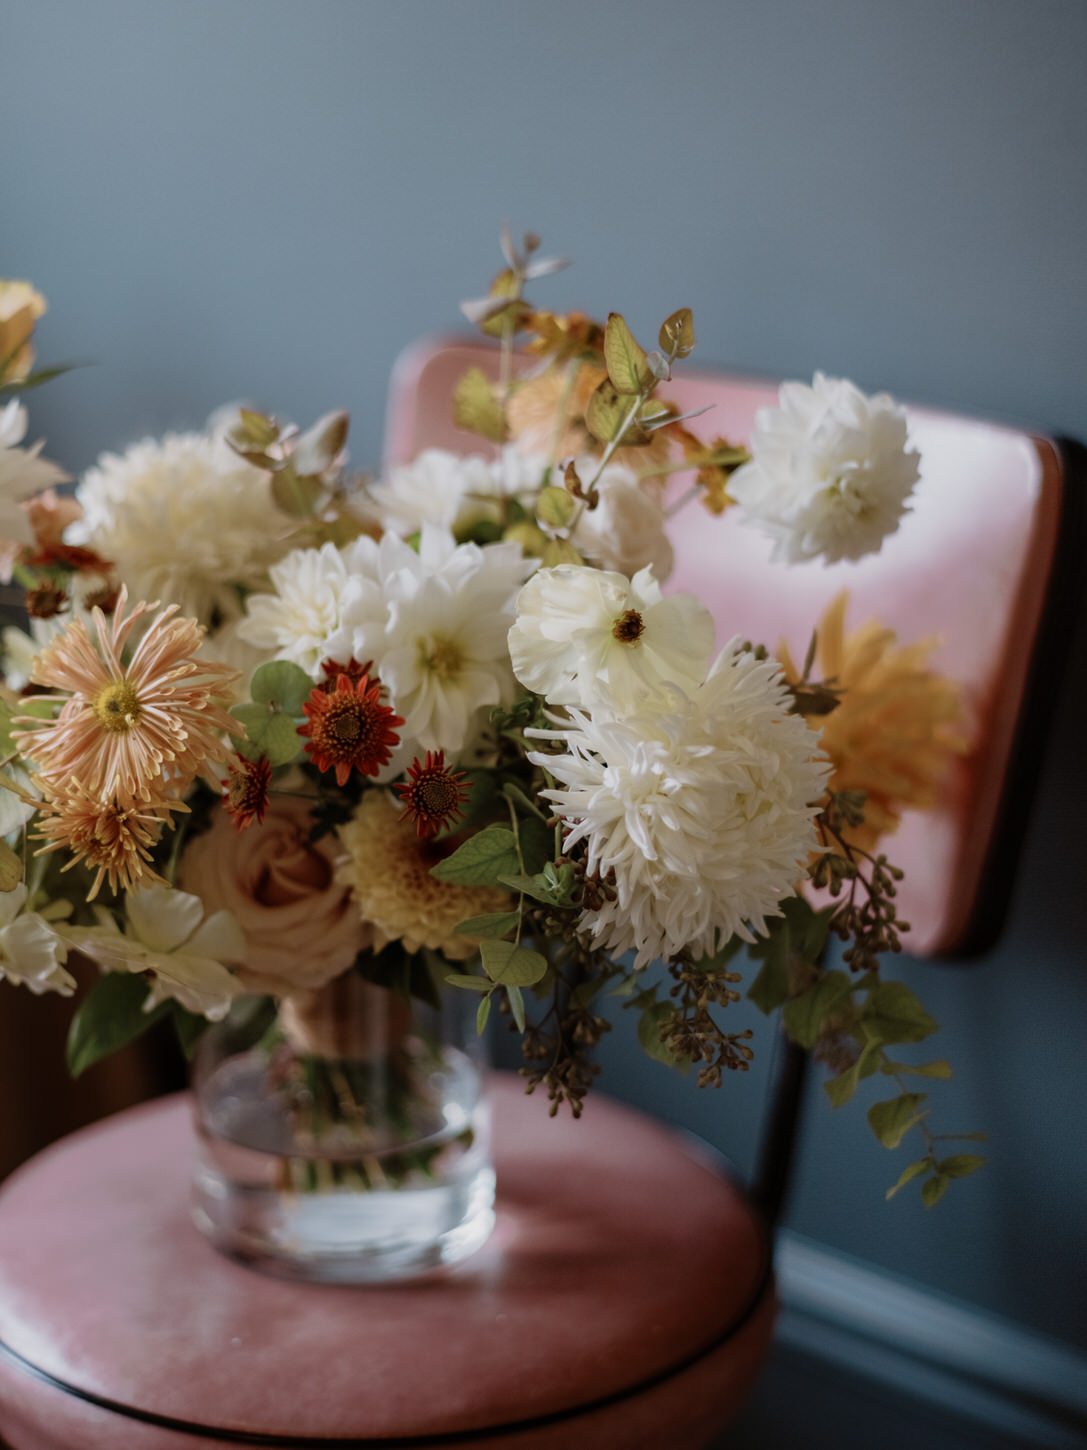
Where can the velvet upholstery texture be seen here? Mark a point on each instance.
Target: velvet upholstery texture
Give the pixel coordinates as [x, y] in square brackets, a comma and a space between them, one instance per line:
[624, 1301]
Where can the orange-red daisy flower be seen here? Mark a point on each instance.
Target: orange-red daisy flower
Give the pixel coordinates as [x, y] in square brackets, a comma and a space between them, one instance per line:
[352, 669]
[433, 794]
[245, 794]
[349, 728]
[125, 727]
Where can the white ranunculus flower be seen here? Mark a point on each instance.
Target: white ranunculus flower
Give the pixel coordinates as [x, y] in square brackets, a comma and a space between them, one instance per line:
[434, 624]
[596, 639]
[185, 520]
[31, 953]
[167, 936]
[830, 471]
[296, 622]
[22, 473]
[625, 531]
[702, 805]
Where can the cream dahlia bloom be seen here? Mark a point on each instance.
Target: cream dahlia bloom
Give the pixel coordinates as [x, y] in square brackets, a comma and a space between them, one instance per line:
[183, 519]
[830, 472]
[167, 936]
[702, 805]
[31, 953]
[296, 622]
[439, 488]
[598, 640]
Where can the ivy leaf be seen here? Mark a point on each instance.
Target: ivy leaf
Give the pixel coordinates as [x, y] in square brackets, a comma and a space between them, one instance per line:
[908, 1174]
[625, 360]
[893, 1014]
[960, 1164]
[109, 1016]
[281, 685]
[492, 923]
[892, 1119]
[482, 860]
[933, 1189]
[804, 1015]
[510, 965]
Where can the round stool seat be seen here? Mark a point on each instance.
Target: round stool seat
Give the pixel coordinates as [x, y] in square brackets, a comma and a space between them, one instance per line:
[622, 1303]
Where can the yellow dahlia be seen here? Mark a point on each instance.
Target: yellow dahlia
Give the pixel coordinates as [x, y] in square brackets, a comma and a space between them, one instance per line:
[898, 727]
[126, 726]
[388, 871]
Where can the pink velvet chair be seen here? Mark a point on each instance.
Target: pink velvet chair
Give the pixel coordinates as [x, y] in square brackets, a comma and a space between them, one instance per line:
[625, 1301]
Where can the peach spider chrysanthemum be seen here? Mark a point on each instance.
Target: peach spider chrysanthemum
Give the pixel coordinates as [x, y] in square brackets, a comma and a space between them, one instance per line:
[114, 840]
[125, 726]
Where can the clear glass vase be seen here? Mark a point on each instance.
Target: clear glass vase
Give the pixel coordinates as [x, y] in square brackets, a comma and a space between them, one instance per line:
[346, 1139]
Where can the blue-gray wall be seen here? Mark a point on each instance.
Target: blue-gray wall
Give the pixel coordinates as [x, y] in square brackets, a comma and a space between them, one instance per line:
[227, 198]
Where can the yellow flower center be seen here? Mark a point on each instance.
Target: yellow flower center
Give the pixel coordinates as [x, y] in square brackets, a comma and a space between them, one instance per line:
[117, 706]
[441, 657]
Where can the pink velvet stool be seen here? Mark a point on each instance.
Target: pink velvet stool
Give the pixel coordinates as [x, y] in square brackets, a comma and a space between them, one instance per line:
[624, 1302]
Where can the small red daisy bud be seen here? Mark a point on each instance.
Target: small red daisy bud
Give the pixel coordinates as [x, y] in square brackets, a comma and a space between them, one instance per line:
[349, 727]
[433, 794]
[245, 795]
[352, 669]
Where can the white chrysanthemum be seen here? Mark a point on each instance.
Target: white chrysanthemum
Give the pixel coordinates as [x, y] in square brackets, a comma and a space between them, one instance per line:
[596, 639]
[31, 953]
[453, 492]
[22, 473]
[434, 624]
[296, 621]
[625, 531]
[183, 519]
[702, 805]
[830, 471]
[167, 936]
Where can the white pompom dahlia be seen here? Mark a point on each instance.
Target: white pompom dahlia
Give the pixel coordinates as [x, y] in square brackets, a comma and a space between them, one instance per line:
[702, 805]
[830, 472]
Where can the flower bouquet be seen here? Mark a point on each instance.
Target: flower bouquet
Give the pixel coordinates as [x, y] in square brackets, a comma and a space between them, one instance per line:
[350, 766]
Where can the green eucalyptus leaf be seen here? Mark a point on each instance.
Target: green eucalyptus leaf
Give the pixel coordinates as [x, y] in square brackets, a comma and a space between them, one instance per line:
[908, 1174]
[625, 361]
[281, 685]
[804, 1015]
[676, 336]
[893, 1014]
[841, 1088]
[11, 868]
[469, 984]
[960, 1164]
[933, 1189]
[537, 843]
[482, 860]
[921, 1069]
[517, 1005]
[510, 965]
[892, 1119]
[483, 1011]
[607, 415]
[492, 923]
[555, 507]
[109, 1016]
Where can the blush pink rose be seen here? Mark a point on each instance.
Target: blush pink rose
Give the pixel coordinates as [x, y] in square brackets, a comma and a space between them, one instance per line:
[300, 924]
